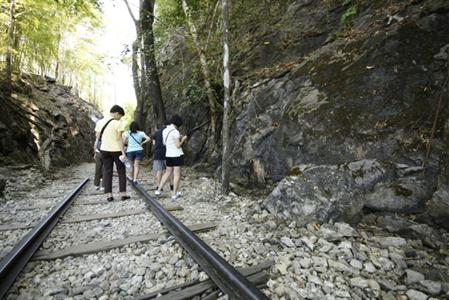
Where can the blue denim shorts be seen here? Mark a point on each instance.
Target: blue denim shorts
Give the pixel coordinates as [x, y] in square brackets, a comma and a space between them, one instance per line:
[135, 155]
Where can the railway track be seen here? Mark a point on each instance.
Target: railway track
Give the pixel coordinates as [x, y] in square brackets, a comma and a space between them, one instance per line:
[88, 235]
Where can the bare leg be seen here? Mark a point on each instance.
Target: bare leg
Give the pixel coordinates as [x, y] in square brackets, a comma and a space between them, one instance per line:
[131, 171]
[176, 179]
[165, 177]
[136, 168]
[158, 177]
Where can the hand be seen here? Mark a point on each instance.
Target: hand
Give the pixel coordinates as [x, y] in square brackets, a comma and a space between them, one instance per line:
[184, 138]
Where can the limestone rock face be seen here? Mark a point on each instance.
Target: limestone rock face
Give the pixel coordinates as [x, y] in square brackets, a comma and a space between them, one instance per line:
[315, 89]
[43, 122]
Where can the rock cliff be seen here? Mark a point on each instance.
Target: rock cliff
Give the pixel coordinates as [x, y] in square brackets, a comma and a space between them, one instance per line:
[349, 87]
[42, 122]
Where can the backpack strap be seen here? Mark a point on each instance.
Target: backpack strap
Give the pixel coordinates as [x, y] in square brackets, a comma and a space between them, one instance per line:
[104, 127]
[131, 135]
[165, 142]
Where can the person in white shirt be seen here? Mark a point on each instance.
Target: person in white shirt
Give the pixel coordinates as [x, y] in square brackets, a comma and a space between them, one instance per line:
[174, 156]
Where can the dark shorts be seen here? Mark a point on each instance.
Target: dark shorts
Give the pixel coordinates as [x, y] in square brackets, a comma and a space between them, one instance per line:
[135, 155]
[174, 161]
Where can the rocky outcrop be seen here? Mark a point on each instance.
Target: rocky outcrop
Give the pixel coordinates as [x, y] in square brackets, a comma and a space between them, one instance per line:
[438, 207]
[317, 194]
[326, 193]
[364, 95]
[43, 122]
[331, 83]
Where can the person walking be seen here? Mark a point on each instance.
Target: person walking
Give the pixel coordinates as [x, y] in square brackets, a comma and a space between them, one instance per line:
[159, 164]
[135, 138]
[109, 134]
[174, 156]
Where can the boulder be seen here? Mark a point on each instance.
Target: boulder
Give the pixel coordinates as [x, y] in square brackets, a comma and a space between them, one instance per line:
[438, 206]
[402, 195]
[368, 172]
[318, 194]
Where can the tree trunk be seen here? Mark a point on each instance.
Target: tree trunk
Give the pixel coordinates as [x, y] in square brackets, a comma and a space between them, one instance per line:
[145, 106]
[57, 57]
[138, 79]
[151, 73]
[9, 53]
[213, 104]
[226, 103]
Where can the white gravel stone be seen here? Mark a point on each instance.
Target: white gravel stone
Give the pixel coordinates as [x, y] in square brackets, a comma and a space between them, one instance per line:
[334, 261]
[413, 276]
[416, 295]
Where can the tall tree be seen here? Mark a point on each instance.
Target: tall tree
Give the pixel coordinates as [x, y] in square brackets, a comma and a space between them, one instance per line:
[207, 77]
[9, 52]
[226, 103]
[138, 79]
[151, 73]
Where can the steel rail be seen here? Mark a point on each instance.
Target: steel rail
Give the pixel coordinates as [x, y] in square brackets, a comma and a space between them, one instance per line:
[228, 279]
[14, 262]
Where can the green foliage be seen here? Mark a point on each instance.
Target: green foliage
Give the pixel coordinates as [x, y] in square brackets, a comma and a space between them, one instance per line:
[44, 37]
[169, 18]
[349, 14]
[129, 114]
[194, 96]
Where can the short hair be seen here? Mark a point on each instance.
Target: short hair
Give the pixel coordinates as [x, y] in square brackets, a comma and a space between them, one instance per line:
[134, 127]
[117, 109]
[177, 120]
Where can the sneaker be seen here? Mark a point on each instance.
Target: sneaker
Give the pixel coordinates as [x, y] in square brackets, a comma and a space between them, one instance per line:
[129, 177]
[97, 187]
[102, 188]
[157, 192]
[135, 182]
[176, 196]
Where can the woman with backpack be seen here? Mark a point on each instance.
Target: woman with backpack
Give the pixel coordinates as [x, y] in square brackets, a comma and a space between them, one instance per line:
[134, 152]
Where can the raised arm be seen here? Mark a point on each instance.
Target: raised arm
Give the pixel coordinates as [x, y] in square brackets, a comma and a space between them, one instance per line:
[147, 139]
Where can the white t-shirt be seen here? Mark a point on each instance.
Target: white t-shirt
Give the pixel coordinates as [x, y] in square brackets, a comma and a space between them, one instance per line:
[169, 137]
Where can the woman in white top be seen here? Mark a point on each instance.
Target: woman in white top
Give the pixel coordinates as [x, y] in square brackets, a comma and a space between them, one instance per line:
[174, 156]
